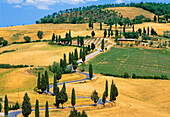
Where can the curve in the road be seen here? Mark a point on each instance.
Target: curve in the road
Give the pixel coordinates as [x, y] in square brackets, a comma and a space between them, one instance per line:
[15, 113]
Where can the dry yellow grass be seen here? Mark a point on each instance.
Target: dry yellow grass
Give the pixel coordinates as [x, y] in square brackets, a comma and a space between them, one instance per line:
[132, 12]
[34, 54]
[137, 97]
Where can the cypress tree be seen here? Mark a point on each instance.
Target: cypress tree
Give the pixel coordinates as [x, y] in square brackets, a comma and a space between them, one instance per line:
[0, 107]
[106, 88]
[148, 31]
[84, 114]
[108, 32]
[39, 81]
[63, 95]
[65, 61]
[90, 71]
[100, 26]
[92, 33]
[104, 98]
[116, 33]
[140, 31]
[57, 101]
[55, 84]
[92, 46]
[144, 31]
[59, 38]
[81, 53]
[69, 33]
[102, 45]
[92, 25]
[81, 41]
[155, 19]
[111, 92]
[58, 74]
[111, 32]
[110, 27]
[105, 33]
[43, 83]
[56, 38]
[73, 97]
[78, 41]
[6, 105]
[74, 64]
[46, 110]
[26, 106]
[70, 58]
[47, 80]
[84, 56]
[89, 48]
[53, 37]
[37, 109]
[76, 54]
[124, 29]
[133, 28]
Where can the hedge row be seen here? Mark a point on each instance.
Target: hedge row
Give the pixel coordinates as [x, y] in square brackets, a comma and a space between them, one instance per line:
[6, 51]
[126, 75]
[14, 66]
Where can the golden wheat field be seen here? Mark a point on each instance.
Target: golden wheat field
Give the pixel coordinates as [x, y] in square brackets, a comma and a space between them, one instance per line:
[137, 97]
[132, 12]
[38, 54]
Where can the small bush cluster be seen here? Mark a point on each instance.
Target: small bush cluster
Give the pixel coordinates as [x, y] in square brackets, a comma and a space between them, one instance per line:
[14, 107]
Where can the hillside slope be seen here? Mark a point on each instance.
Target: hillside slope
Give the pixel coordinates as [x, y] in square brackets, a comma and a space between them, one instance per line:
[132, 12]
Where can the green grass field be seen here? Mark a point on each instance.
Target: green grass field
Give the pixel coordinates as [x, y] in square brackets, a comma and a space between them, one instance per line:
[142, 62]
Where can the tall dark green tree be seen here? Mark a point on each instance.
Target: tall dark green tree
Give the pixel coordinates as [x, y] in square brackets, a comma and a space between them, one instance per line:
[104, 98]
[56, 38]
[57, 93]
[155, 18]
[148, 30]
[92, 46]
[89, 48]
[106, 89]
[84, 56]
[113, 92]
[144, 31]
[81, 53]
[124, 29]
[0, 107]
[26, 106]
[105, 33]
[140, 31]
[76, 54]
[100, 26]
[53, 37]
[70, 58]
[47, 80]
[102, 45]
[81, 41]
[55, 84]
[65, 60]
[133, 28]
[92, 33]
[73, 97]
[63, 95]
[37, 114]
[95, 96]
[43, 83]
[46, 110]
[39, 81]
[74, 64]
[6, 106]
[90, 71]
[111, 32]
[78, 41]
[59, 38]
[116, 33]
[108, 32]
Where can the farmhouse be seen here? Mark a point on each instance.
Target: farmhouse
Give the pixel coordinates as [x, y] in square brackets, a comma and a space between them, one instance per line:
[167, 34]
[127, 41]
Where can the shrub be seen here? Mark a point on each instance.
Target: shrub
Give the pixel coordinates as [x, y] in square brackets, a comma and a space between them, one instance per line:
[27, 39]
[5, 43]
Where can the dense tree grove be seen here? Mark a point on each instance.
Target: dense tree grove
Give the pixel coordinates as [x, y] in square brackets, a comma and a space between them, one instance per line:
[92, 14]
